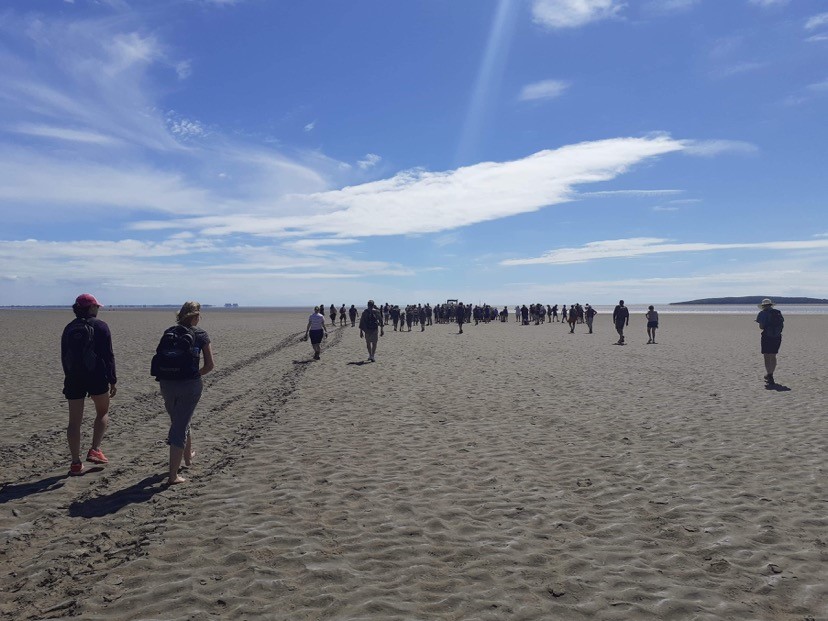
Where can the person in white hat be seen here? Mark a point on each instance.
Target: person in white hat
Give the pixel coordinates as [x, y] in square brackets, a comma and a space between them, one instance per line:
[771, 322]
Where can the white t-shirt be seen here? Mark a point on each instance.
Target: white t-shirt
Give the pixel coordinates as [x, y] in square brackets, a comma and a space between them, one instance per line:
[317, 321]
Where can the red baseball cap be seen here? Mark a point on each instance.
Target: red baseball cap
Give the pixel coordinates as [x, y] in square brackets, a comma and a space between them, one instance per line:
[85, 300]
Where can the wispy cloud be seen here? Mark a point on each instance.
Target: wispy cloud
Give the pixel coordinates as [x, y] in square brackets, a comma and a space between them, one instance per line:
[632, 193]
[457, 198]
[669, 6]
[817, 21]
[369, 161]
[184, 69]
[62, 133]
[573, 13]
[768, 3]
[546, 89]
[646, 246]
[820, 87]
[731, 70]
[711, 148]
[310, 126]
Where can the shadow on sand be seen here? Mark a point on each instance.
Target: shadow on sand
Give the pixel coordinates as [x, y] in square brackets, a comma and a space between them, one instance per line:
[777, 387]
[108, 504]
[21, 490]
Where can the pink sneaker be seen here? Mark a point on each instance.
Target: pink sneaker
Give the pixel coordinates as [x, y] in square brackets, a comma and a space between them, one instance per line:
[96, 456]
[76, 469]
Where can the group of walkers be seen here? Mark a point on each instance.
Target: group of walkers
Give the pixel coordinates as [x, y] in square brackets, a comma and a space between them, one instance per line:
[184, 355]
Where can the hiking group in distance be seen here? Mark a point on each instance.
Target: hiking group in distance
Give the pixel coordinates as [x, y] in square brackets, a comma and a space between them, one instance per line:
[184, 355]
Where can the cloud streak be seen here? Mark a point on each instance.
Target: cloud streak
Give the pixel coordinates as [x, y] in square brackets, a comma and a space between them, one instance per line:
[546, 89]
[559, 14]
[456, 198]
[648, 246]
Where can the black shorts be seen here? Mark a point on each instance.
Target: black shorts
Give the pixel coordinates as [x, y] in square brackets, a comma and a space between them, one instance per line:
[82, 386]
[316, 336]
[770, 344]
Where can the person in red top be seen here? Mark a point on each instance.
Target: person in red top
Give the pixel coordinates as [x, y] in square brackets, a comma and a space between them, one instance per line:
[89, 370]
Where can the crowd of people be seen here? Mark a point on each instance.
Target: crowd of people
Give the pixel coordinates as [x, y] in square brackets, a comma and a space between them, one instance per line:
[184, 355]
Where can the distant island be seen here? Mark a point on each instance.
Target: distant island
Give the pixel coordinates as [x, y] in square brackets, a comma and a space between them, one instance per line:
[753, 299]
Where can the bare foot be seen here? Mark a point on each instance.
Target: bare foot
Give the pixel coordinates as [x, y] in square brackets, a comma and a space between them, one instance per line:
[178, 479]
[188, 459]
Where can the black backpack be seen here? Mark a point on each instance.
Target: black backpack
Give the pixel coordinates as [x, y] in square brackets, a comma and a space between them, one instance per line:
[774, 324]
[79, 354]
[176, 357]
[371, 322]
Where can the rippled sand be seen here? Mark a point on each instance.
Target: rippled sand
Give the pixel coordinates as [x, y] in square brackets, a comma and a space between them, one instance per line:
[508, 473]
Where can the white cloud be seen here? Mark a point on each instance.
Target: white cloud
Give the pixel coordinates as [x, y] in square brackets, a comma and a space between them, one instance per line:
[645, 246]
[768, 3]
[62, 133]
[179, 266]
[184, 69]
[728, 71]
[817, 38]
[310, 126]
[820, 87]
[669, 6]
[633, 193]
[573, 13]
[546, 89]
[184, 128]
[817, 21]
[479, 193]
[711, 148]
[369, 161]
[665, 208]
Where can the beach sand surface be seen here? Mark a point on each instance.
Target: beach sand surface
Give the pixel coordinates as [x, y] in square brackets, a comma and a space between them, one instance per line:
[511, 472]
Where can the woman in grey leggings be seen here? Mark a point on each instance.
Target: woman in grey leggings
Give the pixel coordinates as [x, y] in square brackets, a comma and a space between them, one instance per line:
[181, 395]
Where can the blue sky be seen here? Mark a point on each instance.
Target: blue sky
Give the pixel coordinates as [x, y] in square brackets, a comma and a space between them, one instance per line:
[286, 153]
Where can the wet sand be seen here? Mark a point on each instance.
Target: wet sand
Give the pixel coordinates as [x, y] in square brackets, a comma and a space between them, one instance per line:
[507, 473]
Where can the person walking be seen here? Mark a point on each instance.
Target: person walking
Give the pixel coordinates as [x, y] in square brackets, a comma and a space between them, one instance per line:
[316, 330]
[371, 328]
[621, 318]
[652, 324]
[771, 322]
[589, 314]
[181, 386]
[460, 316]
[352, 313]
[89, 370]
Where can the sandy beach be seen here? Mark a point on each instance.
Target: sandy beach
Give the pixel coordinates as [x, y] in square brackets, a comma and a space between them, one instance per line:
[512, 472]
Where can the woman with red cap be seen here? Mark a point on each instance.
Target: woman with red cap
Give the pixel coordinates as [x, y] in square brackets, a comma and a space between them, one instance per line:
[89, 370]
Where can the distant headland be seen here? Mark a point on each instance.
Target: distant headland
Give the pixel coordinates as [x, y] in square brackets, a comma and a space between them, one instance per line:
[753, 299]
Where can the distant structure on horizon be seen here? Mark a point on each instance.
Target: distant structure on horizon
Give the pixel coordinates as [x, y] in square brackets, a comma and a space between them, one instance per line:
[754, 299]
[231, 305]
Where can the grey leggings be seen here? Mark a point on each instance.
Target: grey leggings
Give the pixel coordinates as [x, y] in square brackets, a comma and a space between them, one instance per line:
[180, 399]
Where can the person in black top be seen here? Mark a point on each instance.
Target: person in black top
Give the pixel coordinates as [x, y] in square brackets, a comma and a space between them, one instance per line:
[771, 322]
[89, 370]
[621, 318]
